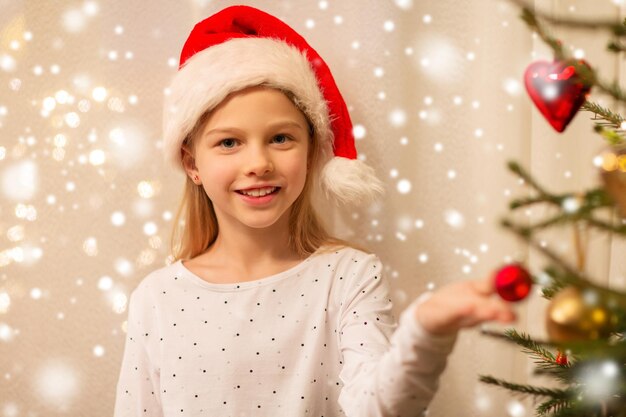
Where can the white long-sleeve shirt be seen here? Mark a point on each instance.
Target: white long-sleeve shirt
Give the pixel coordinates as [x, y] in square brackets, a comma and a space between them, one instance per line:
[315, 340]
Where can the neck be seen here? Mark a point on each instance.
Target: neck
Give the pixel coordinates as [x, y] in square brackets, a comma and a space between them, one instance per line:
[247, 248]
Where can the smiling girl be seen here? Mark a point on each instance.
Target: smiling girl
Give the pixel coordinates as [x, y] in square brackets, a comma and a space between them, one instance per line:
[263, 312]
[259, 133]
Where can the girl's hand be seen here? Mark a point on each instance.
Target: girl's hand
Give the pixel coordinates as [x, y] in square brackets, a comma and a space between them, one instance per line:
[463, 304]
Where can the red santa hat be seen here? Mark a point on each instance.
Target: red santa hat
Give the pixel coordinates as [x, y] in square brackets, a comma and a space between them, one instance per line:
[241, 47]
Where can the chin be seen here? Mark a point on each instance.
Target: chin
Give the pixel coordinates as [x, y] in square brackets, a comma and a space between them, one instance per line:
[262, 222]
[257, 224]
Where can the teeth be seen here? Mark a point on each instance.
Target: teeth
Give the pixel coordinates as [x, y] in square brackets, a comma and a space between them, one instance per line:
[259, 192]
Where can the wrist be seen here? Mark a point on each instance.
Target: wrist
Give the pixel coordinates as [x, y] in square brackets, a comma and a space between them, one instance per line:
[425, 315]
[418, 312]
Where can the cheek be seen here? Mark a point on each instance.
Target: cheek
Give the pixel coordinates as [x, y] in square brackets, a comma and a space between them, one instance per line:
[297, 168]
[215, 168]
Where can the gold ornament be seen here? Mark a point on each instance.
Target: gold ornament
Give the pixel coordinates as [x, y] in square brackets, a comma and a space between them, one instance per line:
[613, 173]
[575, 315]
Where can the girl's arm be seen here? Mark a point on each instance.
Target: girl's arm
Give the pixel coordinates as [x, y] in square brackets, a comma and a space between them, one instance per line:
[387, 373]
[138, 388]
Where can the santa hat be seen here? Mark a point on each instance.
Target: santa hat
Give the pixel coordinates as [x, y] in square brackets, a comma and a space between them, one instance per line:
[241, 47]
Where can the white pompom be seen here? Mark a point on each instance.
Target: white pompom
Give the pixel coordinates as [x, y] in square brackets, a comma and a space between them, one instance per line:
[350, 181]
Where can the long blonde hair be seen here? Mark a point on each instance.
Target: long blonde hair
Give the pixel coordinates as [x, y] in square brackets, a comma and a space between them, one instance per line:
[195, 226]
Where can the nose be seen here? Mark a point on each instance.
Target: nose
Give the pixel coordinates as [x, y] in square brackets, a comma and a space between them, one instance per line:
[259, 161]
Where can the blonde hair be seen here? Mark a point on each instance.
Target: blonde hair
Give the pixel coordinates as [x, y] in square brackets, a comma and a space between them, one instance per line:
[195, 226]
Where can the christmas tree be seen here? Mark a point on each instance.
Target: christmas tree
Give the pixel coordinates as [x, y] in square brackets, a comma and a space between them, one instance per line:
[585, 354]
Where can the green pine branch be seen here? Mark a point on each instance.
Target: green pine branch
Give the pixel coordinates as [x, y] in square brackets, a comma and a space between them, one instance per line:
[504, 337]
[533, 348]
[610, 124]
[552, 405]
[574, 277]
[564, 394]
[587, 74]
[558, 281]
[544, 358]
[565, 218]
[617, 28]
[528, 179]
[611, 88]
[551, 290]
[531, 20]
[590, 201]
[606, 114]
[612, 136]
[616, 47]
[578, 277]
[619, 229]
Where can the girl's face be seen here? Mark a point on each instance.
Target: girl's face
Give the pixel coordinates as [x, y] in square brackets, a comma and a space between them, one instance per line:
[256, 138]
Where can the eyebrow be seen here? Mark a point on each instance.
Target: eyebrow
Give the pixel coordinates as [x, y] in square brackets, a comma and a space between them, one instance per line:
[287, 123]
[276, 125]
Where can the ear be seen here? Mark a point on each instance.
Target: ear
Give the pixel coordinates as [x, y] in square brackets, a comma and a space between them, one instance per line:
[189, 162]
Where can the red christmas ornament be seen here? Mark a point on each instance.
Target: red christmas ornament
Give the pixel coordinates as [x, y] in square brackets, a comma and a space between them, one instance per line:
[561, 359]
[557, 90]
[513, 282]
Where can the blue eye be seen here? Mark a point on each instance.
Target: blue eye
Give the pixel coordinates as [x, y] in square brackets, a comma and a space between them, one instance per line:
[225, 143]
[284, 137]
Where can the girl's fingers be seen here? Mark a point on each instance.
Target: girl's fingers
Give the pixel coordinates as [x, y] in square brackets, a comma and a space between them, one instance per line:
[507, 317]
[485, 286]
[495, 309]
[464, 304]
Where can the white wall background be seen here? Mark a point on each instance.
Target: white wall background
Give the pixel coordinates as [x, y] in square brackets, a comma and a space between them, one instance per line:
[436, 86]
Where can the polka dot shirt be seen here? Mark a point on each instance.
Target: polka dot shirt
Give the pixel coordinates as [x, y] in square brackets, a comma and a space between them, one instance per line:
[318, 339]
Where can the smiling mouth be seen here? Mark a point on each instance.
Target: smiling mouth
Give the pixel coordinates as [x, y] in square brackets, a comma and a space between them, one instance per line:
[257, 194]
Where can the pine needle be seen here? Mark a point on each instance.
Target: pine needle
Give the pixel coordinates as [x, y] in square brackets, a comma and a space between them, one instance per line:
[531, 347]
[551, 406]
[604, 113]
[563, 394]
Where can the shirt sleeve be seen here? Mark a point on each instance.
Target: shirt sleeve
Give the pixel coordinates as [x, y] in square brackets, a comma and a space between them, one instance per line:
[138, 391]
[386, 372]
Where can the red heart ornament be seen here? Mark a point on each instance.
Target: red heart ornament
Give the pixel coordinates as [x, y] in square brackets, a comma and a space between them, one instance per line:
[557, 90]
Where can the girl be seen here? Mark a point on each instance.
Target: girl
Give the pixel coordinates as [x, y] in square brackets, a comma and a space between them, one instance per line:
[263, 312]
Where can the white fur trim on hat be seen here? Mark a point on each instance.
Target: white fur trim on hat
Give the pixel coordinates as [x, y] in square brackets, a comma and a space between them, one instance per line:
[350, 181]
[209, 76]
